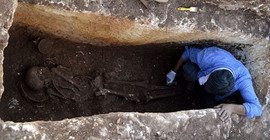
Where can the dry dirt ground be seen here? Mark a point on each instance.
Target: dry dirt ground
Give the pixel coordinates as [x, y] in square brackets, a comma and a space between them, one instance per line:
[146, 64]
[71, 74]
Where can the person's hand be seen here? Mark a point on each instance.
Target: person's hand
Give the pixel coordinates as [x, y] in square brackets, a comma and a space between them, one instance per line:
[170, 77]
[225, 111]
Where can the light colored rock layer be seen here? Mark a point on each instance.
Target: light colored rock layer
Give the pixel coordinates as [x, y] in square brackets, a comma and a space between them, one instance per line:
[7, 10]
[102, 29]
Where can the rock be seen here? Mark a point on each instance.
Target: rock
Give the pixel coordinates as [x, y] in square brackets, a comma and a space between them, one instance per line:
[177, 125]
[221, 21]
[7, 9]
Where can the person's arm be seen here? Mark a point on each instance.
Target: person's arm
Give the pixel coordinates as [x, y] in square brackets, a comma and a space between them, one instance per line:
[252, 103]
[250, 108]
[227, 109]
[171, 75]
[179, 64]
[190, 53]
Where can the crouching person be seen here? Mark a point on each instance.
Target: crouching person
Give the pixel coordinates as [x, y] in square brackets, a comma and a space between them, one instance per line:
[221, 74]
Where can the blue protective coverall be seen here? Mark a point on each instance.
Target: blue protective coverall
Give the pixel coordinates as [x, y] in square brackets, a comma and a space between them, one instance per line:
[211, 58]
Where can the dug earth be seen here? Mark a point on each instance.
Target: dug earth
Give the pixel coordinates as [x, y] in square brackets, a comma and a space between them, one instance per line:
[73, 79]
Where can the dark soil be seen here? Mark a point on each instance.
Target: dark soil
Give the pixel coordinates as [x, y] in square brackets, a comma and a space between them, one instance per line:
[148, 63]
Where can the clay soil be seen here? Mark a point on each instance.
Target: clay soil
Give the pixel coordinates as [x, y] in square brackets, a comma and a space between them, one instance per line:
[148, 63]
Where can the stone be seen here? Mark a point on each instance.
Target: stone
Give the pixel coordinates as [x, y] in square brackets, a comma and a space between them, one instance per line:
[7, 10]
[221, 21]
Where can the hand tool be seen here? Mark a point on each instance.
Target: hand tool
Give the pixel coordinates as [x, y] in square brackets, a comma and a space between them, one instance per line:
[190, 9]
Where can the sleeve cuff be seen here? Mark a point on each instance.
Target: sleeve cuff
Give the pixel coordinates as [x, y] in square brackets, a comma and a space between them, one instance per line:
[247, 107]
[251, 112]
[185, 54]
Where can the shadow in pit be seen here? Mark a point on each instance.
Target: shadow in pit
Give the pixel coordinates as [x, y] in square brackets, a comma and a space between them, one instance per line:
[48, 78]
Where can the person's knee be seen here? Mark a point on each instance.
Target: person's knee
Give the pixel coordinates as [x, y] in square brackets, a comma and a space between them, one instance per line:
[190, 71]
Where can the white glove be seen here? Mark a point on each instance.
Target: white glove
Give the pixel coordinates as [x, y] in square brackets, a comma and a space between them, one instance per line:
[170, 77]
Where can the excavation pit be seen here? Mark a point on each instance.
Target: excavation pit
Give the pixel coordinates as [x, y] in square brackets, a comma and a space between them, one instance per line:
[137, 72]
[145, 64]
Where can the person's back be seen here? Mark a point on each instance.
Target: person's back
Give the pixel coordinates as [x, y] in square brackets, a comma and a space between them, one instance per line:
[213, 60]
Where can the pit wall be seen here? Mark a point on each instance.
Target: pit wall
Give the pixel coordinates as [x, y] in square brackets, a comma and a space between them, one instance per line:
[97, 22]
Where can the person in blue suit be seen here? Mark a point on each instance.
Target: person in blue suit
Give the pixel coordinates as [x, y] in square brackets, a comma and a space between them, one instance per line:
[221, 74]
